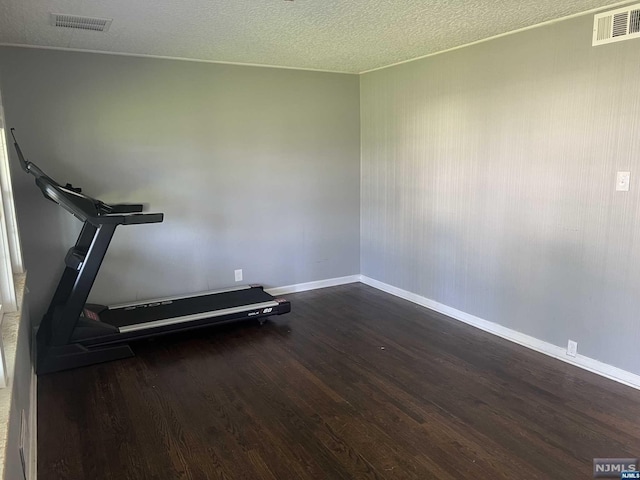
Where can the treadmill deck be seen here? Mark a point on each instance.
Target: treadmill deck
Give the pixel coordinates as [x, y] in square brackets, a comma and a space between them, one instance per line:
[150, 314]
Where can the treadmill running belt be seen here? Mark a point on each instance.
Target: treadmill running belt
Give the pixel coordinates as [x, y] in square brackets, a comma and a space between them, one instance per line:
[151, 312]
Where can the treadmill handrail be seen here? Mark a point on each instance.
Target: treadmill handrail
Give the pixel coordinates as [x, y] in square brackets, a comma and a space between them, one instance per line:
[127, 218]
[127, 208]
[84, 207]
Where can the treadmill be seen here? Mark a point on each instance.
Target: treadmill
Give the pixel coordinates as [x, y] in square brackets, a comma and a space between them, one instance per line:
[75, 334]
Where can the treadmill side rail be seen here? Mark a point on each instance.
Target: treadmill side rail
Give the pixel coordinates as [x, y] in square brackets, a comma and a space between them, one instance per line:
[180, 297]
[250, 310]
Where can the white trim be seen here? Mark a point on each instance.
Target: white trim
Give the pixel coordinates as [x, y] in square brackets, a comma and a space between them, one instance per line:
[176, 297]
[586, 363]
[165, 57]
[4, 379]
[7, 286]
[524, 29]
[8, 201]
[32, 473]
[15, 250]
[303, 287]
[196, 316]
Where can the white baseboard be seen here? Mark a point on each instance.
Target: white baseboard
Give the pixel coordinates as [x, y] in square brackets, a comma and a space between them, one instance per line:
[302, 287]
[586, 363]
[32, 461]
[33, 427]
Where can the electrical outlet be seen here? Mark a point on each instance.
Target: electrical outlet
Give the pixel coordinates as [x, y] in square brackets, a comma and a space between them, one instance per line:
[572, 348]
[238, 274]
[622, 181]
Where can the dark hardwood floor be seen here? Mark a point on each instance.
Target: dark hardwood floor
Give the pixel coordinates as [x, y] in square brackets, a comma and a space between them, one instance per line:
[353, 383]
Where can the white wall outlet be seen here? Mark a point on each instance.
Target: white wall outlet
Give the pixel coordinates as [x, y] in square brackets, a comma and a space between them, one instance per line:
[238, 274]
[572, 348]
[622, 181]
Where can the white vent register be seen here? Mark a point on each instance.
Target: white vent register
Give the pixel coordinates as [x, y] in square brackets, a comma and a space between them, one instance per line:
[616, 25]
[80, 23]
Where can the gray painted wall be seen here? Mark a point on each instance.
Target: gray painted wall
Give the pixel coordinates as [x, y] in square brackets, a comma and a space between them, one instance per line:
[488, 180]
[254, 168]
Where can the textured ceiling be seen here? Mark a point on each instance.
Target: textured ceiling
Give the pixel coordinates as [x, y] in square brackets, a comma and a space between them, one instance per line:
[337, 35]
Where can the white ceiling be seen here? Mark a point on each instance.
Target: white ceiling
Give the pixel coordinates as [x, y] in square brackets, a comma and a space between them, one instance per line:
[336, 35]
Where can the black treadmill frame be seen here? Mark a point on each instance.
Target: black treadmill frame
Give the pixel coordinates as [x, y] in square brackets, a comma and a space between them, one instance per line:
[59, 346]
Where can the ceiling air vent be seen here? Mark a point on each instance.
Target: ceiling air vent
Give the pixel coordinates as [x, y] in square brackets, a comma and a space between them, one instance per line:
[80, 23]
[616, 25]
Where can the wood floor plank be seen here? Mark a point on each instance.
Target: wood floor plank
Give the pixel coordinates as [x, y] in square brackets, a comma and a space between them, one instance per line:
[353, 383]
